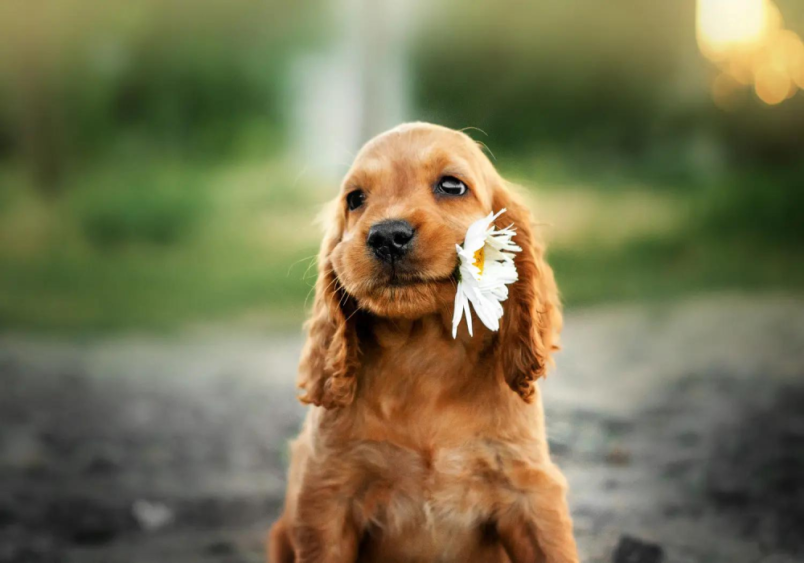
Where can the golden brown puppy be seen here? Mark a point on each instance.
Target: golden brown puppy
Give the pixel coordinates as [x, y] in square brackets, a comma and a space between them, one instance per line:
[421, 447]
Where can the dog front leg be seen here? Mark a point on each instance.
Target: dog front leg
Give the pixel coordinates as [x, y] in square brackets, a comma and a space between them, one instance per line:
[519, 540]
[539, 529]
[324, 530]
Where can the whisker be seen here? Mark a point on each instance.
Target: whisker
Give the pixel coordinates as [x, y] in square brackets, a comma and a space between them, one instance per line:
[312, 288]
[307, 297]
[352, 315]
[290, 267]
[307, 271]
[485, 146]
[474, 129]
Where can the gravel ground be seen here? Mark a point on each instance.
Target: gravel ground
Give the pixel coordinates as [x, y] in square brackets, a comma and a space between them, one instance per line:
[680, 428]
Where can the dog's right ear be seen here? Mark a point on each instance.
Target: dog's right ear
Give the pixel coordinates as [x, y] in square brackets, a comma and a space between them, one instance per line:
[329, 360]
[530, 327]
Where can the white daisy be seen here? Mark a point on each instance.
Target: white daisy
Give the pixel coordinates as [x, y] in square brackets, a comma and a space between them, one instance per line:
[486, 268]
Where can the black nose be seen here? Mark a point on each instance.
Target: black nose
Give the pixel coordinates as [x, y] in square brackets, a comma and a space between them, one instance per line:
[390, 239]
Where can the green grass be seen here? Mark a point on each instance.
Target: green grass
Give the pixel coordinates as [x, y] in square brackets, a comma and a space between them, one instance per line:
[668, 268]
[104, 259]
[167, 243]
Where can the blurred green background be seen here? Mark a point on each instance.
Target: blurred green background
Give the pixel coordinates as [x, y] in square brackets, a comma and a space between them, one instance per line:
[161, 162]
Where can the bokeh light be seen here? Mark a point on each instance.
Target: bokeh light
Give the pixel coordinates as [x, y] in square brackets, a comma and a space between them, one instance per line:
[772, 85]
[747, 40]
[728, 25]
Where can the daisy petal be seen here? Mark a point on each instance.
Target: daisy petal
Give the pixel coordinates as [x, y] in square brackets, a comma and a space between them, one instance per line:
[456, 315]
[468, 316]
[484, 285]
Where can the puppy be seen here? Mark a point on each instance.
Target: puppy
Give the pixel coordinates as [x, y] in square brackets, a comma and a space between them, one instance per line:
[419, 447]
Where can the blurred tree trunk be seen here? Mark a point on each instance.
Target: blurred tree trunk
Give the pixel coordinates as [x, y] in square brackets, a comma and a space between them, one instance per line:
[39, 130]
[32, 53]
[384, 31]
[357, 88]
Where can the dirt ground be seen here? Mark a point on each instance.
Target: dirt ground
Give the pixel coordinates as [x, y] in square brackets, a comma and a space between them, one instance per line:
[680, 428]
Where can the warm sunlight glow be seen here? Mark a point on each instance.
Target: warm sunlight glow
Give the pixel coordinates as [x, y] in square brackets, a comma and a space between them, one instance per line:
[746, 39]
[726, 25]
[772, 85]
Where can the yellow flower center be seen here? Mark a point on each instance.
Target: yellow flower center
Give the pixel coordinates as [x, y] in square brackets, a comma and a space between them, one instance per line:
[480, 259]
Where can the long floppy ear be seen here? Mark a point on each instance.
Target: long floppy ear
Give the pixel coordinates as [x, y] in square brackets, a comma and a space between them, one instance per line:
[530, 327]
[329, 360]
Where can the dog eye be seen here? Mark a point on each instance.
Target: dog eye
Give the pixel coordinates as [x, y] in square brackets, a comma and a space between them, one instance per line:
[450, 185]
[355, 199]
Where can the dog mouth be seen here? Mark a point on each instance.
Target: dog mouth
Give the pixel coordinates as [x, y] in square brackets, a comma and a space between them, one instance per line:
[411, 274]
[396, 281]
[406, 281]
[400, 275]
[404, 294]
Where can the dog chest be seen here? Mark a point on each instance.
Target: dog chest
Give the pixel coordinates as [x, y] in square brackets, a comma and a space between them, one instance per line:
[459, 487]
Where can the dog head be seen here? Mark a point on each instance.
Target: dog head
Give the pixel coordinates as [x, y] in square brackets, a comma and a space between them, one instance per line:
[389, 251]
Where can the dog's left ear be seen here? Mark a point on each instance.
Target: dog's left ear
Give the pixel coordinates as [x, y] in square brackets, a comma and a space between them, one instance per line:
[530, 326]
[329, 360]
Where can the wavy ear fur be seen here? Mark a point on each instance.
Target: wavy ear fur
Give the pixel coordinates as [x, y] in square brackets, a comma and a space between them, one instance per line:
[329, 360]
[530, 327]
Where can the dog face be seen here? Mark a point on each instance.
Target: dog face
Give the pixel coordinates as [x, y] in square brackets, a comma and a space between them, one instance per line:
[389, 251]
[404, 205]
